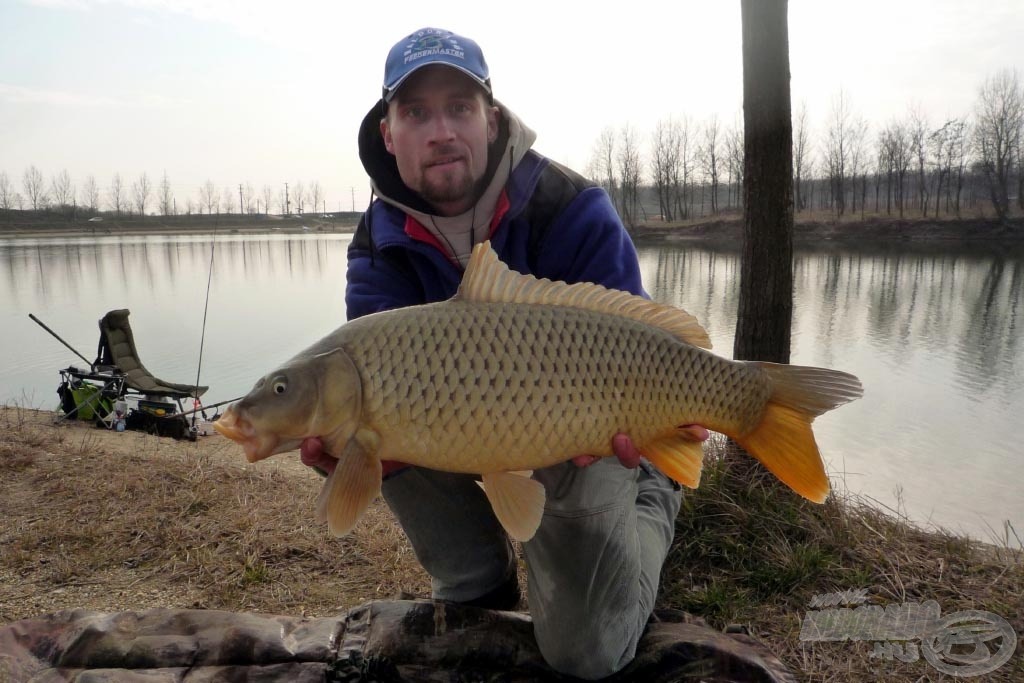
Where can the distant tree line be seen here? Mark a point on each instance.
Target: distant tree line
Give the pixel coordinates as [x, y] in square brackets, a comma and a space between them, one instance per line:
[909, 164]
[690, 170]
[141, 197]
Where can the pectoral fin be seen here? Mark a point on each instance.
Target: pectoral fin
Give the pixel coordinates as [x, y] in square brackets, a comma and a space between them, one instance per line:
[350, 489]
[518, 502]
[678, 457]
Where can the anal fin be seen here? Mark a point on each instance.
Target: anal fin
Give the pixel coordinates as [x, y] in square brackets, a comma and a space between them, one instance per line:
[518, 502]
[677, 457]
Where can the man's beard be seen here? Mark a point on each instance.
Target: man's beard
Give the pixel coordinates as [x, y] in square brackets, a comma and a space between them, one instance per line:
[451, 188]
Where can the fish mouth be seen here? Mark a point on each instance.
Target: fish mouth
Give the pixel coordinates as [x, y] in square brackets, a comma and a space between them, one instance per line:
[235, 426]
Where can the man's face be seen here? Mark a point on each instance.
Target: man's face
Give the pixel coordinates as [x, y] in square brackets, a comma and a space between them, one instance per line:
[438, 127]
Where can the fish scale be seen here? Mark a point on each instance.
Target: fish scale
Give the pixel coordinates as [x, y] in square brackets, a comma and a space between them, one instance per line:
[499, 376]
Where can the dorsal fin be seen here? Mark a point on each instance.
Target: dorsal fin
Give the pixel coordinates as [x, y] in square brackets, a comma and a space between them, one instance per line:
[489, 280]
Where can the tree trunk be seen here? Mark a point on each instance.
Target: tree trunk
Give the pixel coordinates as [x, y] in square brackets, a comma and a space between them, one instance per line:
[766, 282]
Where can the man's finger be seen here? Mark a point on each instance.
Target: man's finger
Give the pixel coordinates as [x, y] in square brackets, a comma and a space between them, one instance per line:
[627, 453]
[694, 432]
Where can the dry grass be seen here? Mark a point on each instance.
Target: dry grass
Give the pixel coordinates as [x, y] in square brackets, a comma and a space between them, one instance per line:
[107, 521]
[755, 554]
[110, 521]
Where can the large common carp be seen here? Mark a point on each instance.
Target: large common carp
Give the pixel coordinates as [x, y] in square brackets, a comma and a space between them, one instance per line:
[515, 373]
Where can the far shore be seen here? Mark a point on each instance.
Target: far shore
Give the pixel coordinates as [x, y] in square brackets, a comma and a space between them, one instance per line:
[156, 225]
[725, 230]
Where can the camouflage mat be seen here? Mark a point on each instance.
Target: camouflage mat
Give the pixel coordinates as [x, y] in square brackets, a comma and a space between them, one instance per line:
[383, 641]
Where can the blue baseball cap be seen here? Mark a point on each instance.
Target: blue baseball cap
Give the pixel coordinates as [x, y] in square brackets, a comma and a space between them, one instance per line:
[434, 46]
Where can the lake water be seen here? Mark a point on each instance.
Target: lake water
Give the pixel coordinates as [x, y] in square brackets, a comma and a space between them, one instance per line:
[935, 337]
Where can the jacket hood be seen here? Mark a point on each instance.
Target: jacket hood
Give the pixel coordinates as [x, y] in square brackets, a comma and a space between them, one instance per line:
[504, 154]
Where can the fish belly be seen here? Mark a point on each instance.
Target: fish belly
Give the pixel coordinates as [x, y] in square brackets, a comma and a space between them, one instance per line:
[480, 387]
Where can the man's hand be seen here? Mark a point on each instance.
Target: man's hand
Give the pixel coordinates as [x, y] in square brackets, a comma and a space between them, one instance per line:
[627, 453]
[312, 452]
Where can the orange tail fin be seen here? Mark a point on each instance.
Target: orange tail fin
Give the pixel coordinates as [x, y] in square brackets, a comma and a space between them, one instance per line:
[783, 441]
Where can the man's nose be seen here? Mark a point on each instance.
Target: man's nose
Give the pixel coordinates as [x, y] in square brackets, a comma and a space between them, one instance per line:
[442, 128]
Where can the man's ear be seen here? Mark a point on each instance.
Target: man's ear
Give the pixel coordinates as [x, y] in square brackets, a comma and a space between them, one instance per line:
[385, 132]
[492, 124]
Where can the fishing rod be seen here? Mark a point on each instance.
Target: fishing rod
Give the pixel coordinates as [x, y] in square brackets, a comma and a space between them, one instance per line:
[57, 337]
[201, 409]
[196, 407]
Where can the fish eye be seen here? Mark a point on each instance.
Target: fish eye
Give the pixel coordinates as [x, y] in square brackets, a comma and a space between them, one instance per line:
[280, 386]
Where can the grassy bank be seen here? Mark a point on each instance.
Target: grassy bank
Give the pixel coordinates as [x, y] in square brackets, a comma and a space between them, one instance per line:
[41, 224]
[822, 228]
[108, 521]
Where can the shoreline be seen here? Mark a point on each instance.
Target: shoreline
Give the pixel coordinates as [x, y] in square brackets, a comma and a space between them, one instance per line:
[879, 231]
[723, 231]
[76, 231]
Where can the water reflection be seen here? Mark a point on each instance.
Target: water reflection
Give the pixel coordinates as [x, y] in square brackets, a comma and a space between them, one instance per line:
[269, 297]
[933, 336]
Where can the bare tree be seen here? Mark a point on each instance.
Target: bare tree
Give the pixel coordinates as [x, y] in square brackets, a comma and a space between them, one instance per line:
[299, 196]
[801, 155]
[248, 194]
[837, 151]
[141, 189]
[629, 165]
[666, 166]
[946, 143]
[6, 193]
[711, 158]
[228, 199]
[62, 189]
[857, 146]
[917, 129]
[894, 143]
[1000, 117]
[682, 180]
[268, 197]
[958, 146]
[116, 193]
[166, 196]
[90, 194]
[602, 164]
[209, 198]
[316, 195]
[734, 161]
[35, 189]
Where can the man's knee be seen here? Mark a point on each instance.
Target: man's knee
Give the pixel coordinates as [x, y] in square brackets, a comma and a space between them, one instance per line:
[587, 653]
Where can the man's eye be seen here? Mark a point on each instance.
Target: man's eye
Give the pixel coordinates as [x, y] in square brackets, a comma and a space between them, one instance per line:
[416, 113]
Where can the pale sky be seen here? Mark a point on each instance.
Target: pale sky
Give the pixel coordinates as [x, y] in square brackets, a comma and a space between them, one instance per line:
[269, 91]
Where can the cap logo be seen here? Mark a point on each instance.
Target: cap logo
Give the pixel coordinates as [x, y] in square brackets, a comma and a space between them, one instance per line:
[428, 43]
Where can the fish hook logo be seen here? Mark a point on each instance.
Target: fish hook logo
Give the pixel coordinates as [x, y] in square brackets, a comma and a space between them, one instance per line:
[962, 644]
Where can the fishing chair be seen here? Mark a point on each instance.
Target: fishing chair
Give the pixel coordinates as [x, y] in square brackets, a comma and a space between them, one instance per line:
[117, 350]
[117, 373]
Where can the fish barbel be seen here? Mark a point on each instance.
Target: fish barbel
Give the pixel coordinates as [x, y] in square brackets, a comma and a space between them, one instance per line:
[516, 373]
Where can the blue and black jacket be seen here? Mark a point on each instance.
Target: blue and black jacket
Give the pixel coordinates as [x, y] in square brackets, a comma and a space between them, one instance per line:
[547, 221]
